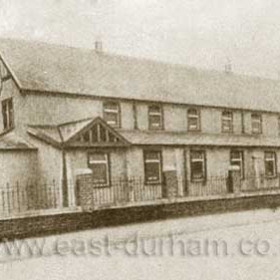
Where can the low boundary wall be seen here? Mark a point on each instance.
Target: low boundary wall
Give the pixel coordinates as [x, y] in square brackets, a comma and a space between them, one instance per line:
[70, 222]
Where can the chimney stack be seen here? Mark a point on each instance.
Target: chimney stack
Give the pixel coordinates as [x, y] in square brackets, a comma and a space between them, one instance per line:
[98, 46]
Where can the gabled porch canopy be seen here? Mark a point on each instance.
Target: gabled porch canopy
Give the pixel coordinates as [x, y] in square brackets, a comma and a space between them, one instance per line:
[87, 133]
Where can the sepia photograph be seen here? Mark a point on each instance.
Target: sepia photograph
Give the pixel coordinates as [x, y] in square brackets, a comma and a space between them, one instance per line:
[139, 139]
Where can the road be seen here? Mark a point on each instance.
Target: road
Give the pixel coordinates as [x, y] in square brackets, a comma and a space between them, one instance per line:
[243, 245]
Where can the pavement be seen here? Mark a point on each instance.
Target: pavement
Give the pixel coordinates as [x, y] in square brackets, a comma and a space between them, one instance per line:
[243, 245]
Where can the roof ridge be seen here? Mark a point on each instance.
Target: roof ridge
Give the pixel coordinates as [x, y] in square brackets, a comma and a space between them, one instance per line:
[142, 59]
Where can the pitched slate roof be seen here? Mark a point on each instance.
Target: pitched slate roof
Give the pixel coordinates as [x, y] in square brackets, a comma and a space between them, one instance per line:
[57, 134]
[44, 67]
[11, 141]
[69, 134]
[199, 139]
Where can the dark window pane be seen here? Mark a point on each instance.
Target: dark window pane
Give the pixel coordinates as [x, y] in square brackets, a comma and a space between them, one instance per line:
[197, 170]
[269, 168]
[10, 112]
[152, 155]
[270, 164]
[236, 159]
[256, 123]
[227, 122]
[152, 172]
[5, 117]
[197, 155]
[111, 106]
[193, 123]
[152, 167]
[112, 113]
[236, 155]
[192, 112]
[197, 165]
[111, 118]
[155, 121]
[193, 119]
[99, 164]
[155, 117]
[154, 109]
[99, 173]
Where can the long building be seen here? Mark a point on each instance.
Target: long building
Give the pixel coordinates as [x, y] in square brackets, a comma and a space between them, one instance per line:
[165, 130]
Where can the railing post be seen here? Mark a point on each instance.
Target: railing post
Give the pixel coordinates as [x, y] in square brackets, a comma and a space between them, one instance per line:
[18, 197]
[131, 184]
[171, 181]
[8, 198]
[234, 180]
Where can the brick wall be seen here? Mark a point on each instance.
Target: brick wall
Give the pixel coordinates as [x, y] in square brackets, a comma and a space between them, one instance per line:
[62, 223]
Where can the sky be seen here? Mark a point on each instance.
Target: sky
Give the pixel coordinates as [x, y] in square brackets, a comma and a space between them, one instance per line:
[200, 33]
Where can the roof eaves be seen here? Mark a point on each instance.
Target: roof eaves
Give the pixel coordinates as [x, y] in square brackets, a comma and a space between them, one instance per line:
[44, 137]
[145, 100]
[14, 76]
[18, 149]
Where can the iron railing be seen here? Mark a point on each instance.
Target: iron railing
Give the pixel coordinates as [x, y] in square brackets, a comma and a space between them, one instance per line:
[32, 197]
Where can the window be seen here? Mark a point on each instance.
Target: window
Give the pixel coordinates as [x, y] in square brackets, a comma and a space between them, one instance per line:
[135, 121]
[155, 117]
[152, 162]
[237, 159]
[193, 120]
[270, 164]
[256, 123]
[8, 113]
[111, 113]
[227, 121]
[242, 123]
[198, 166]
[99, 164]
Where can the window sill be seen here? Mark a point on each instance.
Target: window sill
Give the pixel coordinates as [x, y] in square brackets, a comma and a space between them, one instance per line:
[152, 183]
[198, 180]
